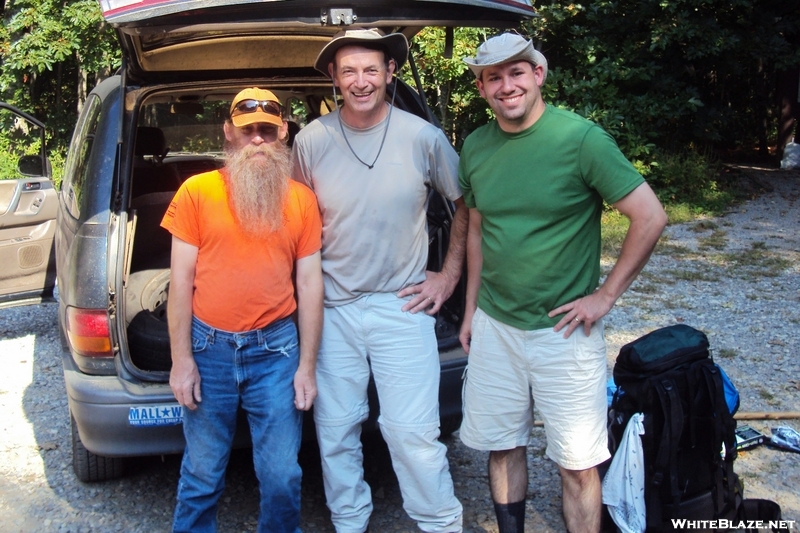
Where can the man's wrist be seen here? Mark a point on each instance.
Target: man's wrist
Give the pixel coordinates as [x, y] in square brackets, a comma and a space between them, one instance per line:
[605, 295]
[306, 367]
[451, 276]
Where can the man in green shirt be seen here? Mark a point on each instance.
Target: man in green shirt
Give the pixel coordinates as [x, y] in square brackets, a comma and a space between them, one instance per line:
[535, 181]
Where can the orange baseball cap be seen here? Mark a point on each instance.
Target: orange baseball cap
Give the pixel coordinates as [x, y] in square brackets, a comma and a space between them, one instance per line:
[254, 105]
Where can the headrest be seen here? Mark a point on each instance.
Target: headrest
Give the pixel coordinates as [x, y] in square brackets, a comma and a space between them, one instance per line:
[150, 141]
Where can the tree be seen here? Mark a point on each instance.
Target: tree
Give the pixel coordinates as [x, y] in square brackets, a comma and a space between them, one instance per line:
[449, 85]
[659, 75]
[50, 52]
[672, 73]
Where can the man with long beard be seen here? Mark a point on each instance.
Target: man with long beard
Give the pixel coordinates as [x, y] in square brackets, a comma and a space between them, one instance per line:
[238, 236]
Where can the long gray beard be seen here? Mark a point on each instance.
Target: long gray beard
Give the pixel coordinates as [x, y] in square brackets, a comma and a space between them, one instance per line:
[257, 186]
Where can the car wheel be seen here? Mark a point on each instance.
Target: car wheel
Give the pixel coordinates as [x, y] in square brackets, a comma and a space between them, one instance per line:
[148, 339]
[90, 467]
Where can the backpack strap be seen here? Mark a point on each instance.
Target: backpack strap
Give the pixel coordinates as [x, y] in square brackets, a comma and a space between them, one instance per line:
[667, 455]
[615, 416]
[725, 433]
[676, 430]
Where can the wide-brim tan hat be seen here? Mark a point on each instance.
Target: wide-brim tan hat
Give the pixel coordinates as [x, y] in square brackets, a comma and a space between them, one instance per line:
[395, 43]
[504, 49]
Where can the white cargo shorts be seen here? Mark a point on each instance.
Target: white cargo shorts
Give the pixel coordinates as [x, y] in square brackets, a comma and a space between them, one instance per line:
[511, 369]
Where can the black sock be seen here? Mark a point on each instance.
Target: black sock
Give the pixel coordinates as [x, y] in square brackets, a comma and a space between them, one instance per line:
[510, 517]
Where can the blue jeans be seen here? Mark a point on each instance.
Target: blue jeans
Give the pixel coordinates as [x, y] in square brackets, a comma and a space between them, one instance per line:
[254, 370]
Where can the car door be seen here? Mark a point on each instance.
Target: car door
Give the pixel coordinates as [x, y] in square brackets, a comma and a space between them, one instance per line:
[28, 207]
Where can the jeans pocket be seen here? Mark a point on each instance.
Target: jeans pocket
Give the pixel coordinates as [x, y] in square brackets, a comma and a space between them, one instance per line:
[287, 345]
[199, 342]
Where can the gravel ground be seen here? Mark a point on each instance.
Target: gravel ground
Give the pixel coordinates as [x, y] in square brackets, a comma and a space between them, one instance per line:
[735, 277]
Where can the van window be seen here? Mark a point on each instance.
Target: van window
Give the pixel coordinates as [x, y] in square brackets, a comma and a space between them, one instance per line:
[189, 128]
[77, 164]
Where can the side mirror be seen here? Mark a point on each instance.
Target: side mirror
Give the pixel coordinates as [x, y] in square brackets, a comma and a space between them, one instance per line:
[31, 166]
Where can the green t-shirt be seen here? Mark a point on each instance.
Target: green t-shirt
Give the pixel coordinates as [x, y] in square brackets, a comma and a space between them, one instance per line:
[540, 193]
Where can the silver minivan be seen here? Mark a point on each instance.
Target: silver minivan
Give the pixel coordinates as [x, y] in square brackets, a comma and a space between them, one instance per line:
[140, 134]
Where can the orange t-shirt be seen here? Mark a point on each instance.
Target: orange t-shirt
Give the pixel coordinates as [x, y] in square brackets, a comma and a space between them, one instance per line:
[242, 282]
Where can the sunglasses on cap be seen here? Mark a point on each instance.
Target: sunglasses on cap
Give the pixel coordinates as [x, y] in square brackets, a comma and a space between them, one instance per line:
[269, 107]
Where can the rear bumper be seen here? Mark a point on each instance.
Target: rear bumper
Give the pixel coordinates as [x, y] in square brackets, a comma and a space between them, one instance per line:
[100, 406]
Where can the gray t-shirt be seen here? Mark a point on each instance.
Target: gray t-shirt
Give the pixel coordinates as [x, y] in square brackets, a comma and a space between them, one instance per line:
[374, 234]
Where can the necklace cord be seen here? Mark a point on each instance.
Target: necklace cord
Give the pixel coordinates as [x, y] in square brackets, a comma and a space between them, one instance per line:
[385, 129]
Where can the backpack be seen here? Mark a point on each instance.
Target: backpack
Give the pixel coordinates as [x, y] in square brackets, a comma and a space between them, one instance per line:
[689, 441]
[767, 512]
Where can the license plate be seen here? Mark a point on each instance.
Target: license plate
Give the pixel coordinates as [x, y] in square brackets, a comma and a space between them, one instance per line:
[155, 415]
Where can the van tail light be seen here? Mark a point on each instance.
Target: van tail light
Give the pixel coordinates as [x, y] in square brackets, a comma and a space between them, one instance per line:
[88, 332]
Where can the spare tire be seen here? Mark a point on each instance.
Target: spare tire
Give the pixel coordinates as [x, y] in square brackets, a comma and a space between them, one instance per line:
[148, 340]
[145, 291]
[146, 312]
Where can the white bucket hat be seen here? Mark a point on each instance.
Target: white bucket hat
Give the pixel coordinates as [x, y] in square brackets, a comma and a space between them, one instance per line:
[504, 49]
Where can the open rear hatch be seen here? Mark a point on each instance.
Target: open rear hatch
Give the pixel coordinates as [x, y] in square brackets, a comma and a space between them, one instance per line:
[165, 40]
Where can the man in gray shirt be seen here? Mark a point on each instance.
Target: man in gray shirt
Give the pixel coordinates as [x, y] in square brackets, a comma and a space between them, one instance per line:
[371, 166]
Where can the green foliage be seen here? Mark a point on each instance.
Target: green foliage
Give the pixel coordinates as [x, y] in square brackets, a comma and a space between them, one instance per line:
[684, 176]
[51, 53]
[670, 73]
[614, 226]
[450, 85]
[19, 138]
[57, 158]
[667, 78]
[682, 212]
[8, 160]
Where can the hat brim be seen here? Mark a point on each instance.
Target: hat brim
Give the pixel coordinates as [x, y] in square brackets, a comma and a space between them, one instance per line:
[257, 117]
[529, 54]
[395, 43]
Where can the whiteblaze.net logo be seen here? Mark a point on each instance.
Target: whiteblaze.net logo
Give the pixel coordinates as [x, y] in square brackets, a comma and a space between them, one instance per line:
[722, 523]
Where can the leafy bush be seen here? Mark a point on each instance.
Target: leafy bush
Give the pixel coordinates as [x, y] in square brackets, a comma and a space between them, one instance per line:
[684, 176]
[691, 179]
[614, 226]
